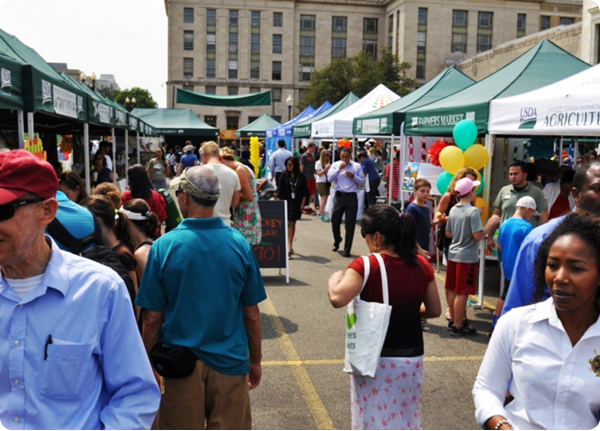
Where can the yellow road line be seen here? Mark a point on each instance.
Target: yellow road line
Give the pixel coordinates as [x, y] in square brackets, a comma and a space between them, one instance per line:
[305, 384]
[300, 363]
[486, 304]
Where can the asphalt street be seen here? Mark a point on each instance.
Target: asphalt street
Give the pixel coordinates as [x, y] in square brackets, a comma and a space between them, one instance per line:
[303, 385]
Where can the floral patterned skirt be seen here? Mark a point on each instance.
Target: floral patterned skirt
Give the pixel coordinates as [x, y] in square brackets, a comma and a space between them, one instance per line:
[247, 220]
[390, 400]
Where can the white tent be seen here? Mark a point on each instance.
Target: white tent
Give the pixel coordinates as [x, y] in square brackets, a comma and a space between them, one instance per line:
[339, 125]
[570, 107]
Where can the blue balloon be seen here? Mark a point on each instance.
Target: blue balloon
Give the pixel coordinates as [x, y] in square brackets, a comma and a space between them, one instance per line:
[465, 134]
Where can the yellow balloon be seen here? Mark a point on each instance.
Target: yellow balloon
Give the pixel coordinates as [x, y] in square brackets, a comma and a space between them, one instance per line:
[476, 156]
[482, 205]
[452, 159]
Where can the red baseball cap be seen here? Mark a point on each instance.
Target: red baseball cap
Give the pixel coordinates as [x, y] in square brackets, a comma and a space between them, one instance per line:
[21, 172]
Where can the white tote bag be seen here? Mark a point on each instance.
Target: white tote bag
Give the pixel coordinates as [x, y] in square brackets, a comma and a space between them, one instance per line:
[366, 327]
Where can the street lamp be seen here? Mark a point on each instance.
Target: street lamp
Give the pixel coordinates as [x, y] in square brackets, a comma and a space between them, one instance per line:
[130, 103]
[290, 102]
[83, 78]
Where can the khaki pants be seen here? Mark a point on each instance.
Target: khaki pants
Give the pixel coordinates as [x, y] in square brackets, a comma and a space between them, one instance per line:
[206, 399]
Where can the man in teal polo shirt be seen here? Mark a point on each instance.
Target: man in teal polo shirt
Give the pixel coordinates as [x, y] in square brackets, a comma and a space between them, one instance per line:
[201, 289]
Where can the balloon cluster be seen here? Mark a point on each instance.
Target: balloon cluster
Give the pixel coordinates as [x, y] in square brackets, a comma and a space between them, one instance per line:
[345, 143]
[465, 154]
[254, 154]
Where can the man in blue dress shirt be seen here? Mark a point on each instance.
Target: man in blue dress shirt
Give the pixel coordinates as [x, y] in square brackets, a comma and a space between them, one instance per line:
[347, 176]
[71, 353]
[277, 160]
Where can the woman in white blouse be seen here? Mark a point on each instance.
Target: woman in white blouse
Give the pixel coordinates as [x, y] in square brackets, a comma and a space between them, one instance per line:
[551, 349]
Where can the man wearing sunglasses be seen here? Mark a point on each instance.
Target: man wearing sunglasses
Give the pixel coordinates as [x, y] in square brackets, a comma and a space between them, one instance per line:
[72, 354]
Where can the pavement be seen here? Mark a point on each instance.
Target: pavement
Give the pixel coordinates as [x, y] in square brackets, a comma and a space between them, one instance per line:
[303, 385]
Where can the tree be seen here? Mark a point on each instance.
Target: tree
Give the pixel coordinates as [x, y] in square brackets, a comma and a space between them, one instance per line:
[143, 98]
[359, 74]
[109, 93]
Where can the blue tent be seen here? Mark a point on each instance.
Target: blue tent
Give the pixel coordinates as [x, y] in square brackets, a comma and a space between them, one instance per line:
[284, 131]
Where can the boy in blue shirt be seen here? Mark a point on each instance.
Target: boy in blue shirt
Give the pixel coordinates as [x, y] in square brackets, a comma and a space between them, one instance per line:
[510, 237]
[420, 212]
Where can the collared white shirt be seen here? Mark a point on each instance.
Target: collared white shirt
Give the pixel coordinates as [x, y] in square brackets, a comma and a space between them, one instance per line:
[555, 384]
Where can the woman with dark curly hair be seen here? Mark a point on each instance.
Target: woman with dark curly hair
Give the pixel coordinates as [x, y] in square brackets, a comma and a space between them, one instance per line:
[550, 349]
[140, 187]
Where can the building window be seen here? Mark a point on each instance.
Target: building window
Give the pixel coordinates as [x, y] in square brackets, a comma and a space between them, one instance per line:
[233, 122]
[302, 94]
[398, 32]
[390, 31]
[188, 67]
[339, 23]
[459, 42]
[188, 87]
[460, 18]
[252, 119]
[188, 15]
[233, 42]
[255, 69]
[210, 89]
[277, 42]
[211, 120]
[276, 74]
[338, 47]
[307, 22]
[232, 91]
[370, 25]
[521, 21]
[420, 69]
[566, 21]
[421, 41]
[276, 94]
[306, 71]
[484, 42]
[233, 17]
[211, 17]
[254, 90]
[544, 22]
[486, 19]
[233, 69]
[211, 42]
[370, 47]
[255, 19]
[423, 15]
[255, 43]
[211, 68]
[277, 19]
[307, 46]
[188, 40]
[276, 118]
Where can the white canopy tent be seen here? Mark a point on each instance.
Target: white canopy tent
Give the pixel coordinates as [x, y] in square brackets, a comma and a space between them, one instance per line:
[570, 107]
[339, 125]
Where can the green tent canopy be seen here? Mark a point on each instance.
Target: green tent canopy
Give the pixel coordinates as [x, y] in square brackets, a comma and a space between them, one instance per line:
[100, 112]
[258, 127]
[543, 64]
[387, 120]
[11, 83]
[43, 88]
[303, 129]
[174, 122]
[253, 99]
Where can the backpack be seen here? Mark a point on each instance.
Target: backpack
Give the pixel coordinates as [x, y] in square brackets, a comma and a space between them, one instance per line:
[98, 252]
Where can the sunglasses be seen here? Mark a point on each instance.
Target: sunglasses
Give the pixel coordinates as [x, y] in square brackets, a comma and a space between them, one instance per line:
[8, 210]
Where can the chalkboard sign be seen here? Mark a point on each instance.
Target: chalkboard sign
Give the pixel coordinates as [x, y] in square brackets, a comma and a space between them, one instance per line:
[272, 250]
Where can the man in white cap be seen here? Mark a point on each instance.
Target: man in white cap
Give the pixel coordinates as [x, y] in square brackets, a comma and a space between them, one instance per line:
[465, 228]
[511, 235]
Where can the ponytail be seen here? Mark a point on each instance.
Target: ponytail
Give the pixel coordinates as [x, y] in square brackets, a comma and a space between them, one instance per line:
[121, 230]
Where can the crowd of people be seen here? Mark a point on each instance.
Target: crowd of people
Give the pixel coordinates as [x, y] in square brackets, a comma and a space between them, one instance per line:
[100, 273]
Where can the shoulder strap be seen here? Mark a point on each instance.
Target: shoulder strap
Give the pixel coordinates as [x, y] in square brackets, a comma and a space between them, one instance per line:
[384, 280]
[367, 272]
[59, 232]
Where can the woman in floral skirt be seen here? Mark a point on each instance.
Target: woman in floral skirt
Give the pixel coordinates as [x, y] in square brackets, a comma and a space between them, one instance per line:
[246, 217]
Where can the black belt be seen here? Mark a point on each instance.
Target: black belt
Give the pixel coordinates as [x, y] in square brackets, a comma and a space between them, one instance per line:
[345, 193]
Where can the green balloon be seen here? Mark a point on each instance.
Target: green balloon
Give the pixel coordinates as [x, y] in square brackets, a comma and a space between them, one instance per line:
[443, 182]
[479, 191]
[465, 134]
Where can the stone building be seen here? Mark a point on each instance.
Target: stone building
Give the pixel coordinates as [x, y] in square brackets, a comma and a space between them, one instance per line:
[244, 46]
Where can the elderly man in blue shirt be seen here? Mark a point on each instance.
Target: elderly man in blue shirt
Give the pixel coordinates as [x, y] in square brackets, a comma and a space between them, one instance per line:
[71, 352]
[347, 176]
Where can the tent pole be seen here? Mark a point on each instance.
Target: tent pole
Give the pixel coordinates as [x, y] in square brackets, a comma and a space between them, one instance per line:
[114, 154]
[402, 161]
[86, 155]
[126, 152]
[21, 128]
[487, 175]
[137, 143]
[560, 157]
[30, 129]
[390, 184]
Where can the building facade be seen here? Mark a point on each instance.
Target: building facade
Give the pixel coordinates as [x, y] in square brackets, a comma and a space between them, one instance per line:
[245, 46]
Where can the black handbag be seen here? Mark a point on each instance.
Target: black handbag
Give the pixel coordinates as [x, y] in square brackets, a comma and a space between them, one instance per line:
[172, 362]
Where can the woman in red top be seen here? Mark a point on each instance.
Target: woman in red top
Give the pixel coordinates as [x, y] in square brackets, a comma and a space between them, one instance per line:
[141, 188]
[391, 400]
